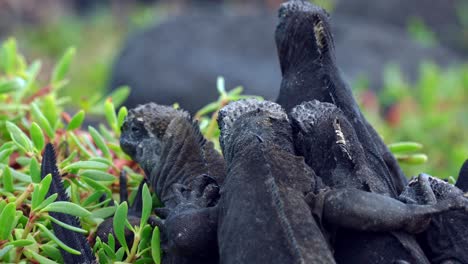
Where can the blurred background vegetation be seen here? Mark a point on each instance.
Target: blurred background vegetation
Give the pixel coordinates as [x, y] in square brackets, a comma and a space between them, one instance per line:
[433, 110]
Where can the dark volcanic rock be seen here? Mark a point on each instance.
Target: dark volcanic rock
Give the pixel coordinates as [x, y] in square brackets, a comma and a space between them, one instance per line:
[179, 60]
[440, 16]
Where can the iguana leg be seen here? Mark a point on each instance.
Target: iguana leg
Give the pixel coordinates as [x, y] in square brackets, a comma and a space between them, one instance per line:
[366, 211]
[190, 228]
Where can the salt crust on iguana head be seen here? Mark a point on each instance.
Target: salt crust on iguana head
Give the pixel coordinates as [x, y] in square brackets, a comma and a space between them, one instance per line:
[230, 113]
[308, 113]
[156, 118]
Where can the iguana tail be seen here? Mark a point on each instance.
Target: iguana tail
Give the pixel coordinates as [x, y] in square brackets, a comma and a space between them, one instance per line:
[72, 239]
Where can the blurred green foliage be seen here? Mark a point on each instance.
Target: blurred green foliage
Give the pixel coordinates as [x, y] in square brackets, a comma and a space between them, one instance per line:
[31, 115]
[431, 111]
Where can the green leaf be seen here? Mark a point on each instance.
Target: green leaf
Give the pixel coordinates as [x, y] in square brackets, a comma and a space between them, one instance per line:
[402, 147]
[123, 112]
[413, 159]
[19, 137]
[95, 196]
[67, 226]
[143, 260]
[34, 170]
[17, 175]
[120, 218]
[8, 180]
[103, 212]
[76, 120]
[97, 186]
[109, 251]
[49, 234]
[111, 241]
[5, 153]
[42, 120]
[86, 165]
[39, 258]
[220, 85]
[147, 205]
[37, 136]
[102, 160]
[70, 157]
[236, 91]
[47, 201]
[50, 110]
[119, 254]
[209, 108]
[10, 85]
[61, 68]
[103, 259]
[66, 208]
[40, 191]
[20, 243]
[8, 56]
[156, 246]
[52, 252]
[7, 220]
[77, 142]
[99, 141]
[3, 203]
[109, 112]
[5, 250]
[97, 175]
[119, 95]
[32, 72]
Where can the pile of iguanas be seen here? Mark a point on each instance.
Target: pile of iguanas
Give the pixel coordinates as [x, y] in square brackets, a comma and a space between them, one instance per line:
[303, 180]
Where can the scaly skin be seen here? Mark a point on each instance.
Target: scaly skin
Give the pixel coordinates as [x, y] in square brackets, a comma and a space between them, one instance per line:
[446, 238]
[263, 215]
[307, 57]
[330, 145]
[184, 170]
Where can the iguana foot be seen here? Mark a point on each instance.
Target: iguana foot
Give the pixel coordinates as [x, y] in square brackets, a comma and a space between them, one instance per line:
[189, 229]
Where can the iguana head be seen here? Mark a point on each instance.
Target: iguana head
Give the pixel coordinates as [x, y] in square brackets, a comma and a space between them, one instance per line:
[324, 136]
[302, 34]
[143, 130]
[243, 120]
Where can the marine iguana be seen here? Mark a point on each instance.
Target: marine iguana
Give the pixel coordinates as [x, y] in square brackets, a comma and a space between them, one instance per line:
[197, 222]
[184, 170]
[330, 145]
[266, 180]
[446, 238]
[307, 59]
[72, 239]
[263, 214]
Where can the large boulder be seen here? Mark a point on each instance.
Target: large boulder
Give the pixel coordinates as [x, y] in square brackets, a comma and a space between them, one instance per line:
[179, 59]
[444, 18]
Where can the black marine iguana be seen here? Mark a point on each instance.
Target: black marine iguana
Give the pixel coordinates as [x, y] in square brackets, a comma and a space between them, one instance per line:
[267, 181]
[184, 170]
[263, 214]
[329, 143]
[196, 222]
[307, 59]
[72, 239]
